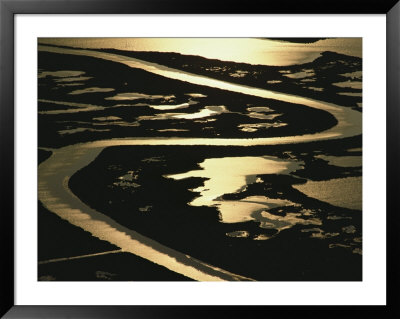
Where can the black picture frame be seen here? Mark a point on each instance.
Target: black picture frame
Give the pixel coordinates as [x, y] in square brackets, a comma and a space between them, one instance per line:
[8, 10]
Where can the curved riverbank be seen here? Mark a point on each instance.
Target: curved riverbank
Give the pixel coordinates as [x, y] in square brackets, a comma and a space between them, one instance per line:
[54, 173]
[349, 120]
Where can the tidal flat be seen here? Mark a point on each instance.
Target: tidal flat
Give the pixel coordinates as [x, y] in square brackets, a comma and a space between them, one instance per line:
[240, 210]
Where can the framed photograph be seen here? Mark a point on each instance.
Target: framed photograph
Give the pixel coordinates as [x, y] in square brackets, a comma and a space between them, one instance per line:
[164, 159]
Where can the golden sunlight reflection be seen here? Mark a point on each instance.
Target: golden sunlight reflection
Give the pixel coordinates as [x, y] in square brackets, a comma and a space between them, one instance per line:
[206, 112]
[54, 193]
[253, 194]
[343, 161]
[349, 123]
[280, 223]
[231, 175]
[342, 192]
[246, 50]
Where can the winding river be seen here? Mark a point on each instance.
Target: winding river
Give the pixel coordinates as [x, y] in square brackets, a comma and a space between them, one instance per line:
[55, 172]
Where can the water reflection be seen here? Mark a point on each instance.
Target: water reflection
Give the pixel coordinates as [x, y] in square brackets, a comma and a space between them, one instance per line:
[196, 95]
[81, 129]
[232, 175]
[169, 107]
[349, 84]
[91, 90]
[342, 192]
[356, 75]
[279, 223]
[342, 161]
[59, 74]
[254, 127]
[349, 121]
[54, 193]
[137, 96]
[358, 94]
[300, 75]
[206, 112]
[74, 107]
[247, 50]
